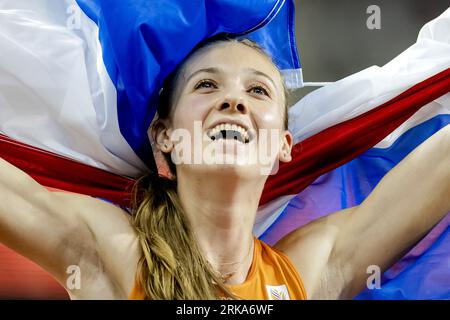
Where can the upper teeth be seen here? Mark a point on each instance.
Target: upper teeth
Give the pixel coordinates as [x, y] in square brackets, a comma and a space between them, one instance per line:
[227, 126]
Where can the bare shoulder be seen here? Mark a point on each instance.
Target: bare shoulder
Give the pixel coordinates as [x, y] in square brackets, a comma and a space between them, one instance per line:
[99, 215]
[310, 250]
[115, 253]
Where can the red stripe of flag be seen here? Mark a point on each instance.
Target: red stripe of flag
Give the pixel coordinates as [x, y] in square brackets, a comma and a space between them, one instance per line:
[345, 141]
[59, 172]
[312, 157]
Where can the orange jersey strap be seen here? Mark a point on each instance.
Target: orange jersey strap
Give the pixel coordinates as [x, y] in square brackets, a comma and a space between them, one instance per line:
[137, 293]
[272, 276]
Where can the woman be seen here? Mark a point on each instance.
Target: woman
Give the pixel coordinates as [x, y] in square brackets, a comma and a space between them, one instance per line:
[191, 237]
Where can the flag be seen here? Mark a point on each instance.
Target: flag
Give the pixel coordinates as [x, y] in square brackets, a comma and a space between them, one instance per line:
[68, 104]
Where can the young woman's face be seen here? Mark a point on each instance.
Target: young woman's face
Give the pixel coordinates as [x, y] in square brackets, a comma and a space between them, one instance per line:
[230, 101]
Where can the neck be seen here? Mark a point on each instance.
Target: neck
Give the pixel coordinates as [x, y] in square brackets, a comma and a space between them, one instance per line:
[222, 210]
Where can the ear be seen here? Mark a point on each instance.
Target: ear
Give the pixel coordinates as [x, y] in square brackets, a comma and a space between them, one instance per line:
[286, 147]
[160, 132]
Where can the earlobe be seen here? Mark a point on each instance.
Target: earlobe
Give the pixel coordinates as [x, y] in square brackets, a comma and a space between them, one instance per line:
[285, 156]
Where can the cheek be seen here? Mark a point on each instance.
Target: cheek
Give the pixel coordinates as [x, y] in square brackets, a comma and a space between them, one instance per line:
[270, 118]
[190, 110]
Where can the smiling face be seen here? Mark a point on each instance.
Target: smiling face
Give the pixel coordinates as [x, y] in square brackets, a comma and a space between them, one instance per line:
[228, 103]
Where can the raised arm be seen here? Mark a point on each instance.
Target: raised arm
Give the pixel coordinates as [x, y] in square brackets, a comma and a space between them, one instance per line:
[408, 202]
[37, 223]
[57, 230]
[333, 253]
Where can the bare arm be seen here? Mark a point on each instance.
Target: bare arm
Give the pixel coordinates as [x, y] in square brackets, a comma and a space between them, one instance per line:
[57, 230]
[412, 198]
[36, 222]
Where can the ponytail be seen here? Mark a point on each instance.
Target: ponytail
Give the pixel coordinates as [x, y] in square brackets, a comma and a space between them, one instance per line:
[172, 266]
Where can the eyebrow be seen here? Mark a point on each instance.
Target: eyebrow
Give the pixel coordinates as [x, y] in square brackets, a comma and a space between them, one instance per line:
[214, 70]
[206, 70]
[259, 73]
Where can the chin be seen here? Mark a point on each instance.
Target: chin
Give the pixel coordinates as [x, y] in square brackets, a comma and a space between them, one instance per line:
[234, 170]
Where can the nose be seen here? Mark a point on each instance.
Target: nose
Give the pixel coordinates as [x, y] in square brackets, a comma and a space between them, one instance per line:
[233, 105]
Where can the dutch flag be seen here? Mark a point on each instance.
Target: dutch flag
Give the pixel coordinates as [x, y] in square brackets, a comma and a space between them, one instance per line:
[79, 79]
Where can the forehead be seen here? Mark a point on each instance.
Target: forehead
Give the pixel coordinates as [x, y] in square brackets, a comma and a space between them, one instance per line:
[232, 57]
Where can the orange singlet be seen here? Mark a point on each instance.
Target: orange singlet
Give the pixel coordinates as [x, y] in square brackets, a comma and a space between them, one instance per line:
[272, 276]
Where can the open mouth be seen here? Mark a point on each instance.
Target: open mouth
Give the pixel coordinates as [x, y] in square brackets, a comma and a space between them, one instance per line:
[229, 131]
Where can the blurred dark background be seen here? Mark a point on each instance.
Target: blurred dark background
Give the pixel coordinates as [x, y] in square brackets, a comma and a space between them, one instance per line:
[334, 41]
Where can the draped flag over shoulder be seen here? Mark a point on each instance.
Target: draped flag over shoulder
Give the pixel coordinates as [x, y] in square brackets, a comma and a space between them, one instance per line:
[79, 81]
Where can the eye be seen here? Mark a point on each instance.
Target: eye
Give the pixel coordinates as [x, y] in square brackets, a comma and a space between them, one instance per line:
[206, 83]
[260, 90]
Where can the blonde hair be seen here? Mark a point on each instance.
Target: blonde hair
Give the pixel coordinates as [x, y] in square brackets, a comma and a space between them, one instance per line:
[172, 265]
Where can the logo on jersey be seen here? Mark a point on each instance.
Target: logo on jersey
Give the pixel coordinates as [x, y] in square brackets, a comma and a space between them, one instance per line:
[278, 292]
